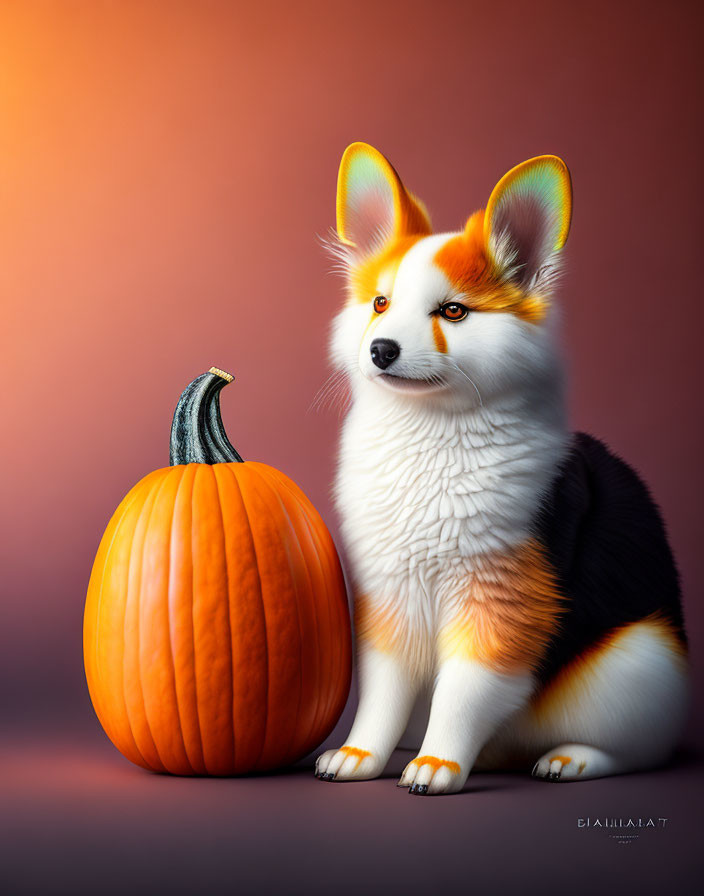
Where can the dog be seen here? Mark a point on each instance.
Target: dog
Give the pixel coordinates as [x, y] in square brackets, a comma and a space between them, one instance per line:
[516, 602]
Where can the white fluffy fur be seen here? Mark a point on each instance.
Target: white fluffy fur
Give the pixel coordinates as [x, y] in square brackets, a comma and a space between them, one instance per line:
[616, 707]
[427, 481]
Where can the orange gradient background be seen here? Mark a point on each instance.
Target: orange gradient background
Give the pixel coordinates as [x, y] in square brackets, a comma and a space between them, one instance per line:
[165, 170]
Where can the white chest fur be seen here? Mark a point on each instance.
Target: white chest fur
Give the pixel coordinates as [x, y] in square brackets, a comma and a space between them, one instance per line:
[421, 491]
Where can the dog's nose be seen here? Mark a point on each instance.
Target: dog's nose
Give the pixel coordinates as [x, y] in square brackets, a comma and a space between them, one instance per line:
[384, 352]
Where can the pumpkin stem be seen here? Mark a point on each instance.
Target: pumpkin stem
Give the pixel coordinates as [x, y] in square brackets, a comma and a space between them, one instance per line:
[197, 433]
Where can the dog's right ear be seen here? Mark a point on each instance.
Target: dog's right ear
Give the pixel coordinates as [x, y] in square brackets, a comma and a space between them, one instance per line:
[528, 215]
[373, 206]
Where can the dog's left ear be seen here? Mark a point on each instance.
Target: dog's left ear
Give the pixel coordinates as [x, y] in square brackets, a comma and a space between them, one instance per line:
[373, 206]
[528, 215]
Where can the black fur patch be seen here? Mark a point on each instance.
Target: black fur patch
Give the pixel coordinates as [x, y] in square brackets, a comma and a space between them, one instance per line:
[606, 540]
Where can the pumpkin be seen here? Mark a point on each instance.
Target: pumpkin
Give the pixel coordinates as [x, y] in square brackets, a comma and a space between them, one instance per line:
[216, 629]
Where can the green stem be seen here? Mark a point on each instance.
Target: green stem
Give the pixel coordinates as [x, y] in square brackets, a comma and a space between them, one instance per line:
[197, 433]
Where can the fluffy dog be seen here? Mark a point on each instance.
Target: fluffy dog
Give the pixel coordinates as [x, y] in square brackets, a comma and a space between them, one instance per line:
[516, 601]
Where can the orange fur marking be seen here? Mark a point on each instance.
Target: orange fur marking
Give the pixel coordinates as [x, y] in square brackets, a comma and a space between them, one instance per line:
[508, 612]
[466, 263]
[381, 626]
[569, 682]
[436, 763]
[439, 336]
[353, 751]
[387, 628]
[372, 320]
[504, 617]
[565, 760]
[365, 277]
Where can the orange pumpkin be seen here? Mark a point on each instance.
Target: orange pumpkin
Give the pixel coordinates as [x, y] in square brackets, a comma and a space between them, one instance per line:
[216, 629]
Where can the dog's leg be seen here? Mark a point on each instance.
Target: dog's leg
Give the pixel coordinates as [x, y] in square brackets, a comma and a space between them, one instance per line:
[494, 625]
[387, 692]
[469, 703]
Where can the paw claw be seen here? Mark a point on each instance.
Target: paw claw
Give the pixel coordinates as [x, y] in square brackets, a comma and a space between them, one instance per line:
[419, 789]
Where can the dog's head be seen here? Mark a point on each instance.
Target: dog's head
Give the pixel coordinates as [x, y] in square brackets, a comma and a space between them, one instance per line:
[454, 318]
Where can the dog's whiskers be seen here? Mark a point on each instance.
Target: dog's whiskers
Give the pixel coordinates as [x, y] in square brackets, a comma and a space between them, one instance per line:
[334, 389]
[467, 377]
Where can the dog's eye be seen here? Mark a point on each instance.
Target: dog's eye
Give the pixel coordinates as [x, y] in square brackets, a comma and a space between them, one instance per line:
[381, 303]
[453, 311]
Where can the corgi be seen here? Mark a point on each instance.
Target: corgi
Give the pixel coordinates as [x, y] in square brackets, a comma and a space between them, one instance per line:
[516, 602]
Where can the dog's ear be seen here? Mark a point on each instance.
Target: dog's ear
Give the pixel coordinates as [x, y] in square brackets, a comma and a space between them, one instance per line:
[373, 206]
[527, 218]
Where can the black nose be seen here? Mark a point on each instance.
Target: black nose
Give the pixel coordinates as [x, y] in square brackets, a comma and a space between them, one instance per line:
[384, 352]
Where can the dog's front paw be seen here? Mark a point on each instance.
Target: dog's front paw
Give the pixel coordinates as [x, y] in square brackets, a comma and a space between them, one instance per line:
[429, 774]
[347, 764]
